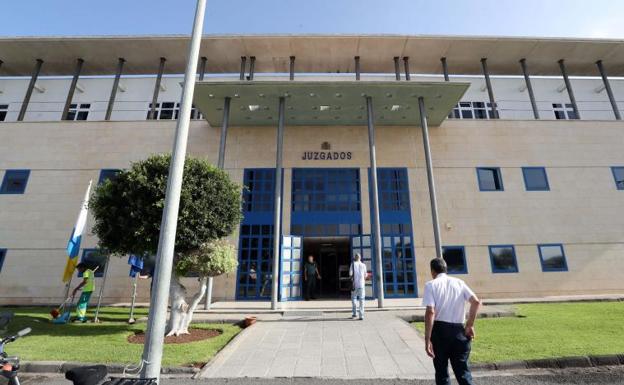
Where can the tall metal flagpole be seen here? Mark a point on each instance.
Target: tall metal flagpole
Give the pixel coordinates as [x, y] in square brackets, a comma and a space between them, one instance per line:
[99, 302]
[153, 348]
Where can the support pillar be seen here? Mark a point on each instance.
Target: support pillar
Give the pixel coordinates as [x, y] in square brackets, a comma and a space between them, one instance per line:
[568, 85]
[161, 70]
[292, 68]
[445, 69]
[430, 178]
[252, 67]
[111, 100]
[357, 67]
[72, 88]
[243, 67]
[29, 90]
[490, 91]
[202, 68]
[220, 164]
[529, 87]
[277, 219]
[406, 66]
[375, 200]
[397, 70]
[607, 84]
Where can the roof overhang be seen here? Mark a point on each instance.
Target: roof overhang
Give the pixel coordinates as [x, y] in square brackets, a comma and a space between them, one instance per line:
[314, 54]
[326, 103]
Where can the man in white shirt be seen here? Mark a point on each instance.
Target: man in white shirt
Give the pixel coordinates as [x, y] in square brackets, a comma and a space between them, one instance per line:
[446, 337]
[358, 274]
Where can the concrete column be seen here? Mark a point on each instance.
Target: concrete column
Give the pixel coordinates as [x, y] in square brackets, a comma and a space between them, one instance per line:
[202, 68]
[111, 100]
[357, 67]
[430, 179]
[568, 85]
[488, 84]
[221, 164]
[29, 90]
[397, 70]
[161, 70]
[252, 67]
[243, 67]
[375, 200]
[529, 87]
[72, 88]
[406, 66]
[607, 84]
[292, 68]
[277, 219]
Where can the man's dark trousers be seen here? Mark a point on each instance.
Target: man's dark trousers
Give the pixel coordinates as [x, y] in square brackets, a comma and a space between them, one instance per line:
[450, 344]
[310, 286]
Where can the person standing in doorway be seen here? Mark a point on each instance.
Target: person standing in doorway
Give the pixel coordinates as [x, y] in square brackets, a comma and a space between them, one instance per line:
[310, 276]
[446, 336]
[88, 286]
[358, 275]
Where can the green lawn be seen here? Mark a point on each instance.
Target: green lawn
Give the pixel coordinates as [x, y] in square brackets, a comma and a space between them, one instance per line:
[102, 343]
[550, 330]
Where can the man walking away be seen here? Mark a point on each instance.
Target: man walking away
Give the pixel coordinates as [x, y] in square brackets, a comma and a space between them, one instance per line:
[88, 286]
[358, 274]
[310, 275]
[446, 337]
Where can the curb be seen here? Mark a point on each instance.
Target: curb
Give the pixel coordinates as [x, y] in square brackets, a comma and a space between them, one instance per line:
[554, 363]
[64, 366]
[494, 314]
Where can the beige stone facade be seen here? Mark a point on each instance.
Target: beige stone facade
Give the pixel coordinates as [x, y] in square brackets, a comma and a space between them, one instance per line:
[583, 210]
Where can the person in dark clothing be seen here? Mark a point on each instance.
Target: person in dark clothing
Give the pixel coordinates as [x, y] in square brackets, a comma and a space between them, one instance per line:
[310, 277]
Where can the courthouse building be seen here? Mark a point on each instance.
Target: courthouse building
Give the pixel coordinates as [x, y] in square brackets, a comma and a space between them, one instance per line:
[525, 145]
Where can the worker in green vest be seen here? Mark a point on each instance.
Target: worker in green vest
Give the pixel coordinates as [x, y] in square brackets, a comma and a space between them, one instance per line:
[88, 286]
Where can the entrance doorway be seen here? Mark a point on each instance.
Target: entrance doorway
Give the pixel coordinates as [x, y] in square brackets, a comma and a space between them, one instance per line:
[333, 258]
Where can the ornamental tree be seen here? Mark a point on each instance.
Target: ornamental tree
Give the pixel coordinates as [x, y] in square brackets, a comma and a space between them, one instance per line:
[128, 213]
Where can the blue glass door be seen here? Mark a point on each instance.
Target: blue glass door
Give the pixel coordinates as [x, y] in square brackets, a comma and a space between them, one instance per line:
[363, 244]
[291, 267]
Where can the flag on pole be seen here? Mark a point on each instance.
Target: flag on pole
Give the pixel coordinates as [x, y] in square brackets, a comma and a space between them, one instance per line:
[73, 245]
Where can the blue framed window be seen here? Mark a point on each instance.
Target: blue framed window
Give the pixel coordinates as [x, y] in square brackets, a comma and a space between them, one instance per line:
[503, 259]
[333, 190]
[618, 177]
[552, 257]
[14, 182]
[393, 189]
[94, 258]
[2, 256]
[535, 179]
[4, 109]
[107, 173]
[490, 179]
[260, 190]
[455, 258]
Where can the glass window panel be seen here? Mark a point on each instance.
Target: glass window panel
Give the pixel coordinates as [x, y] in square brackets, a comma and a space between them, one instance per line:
[455, 259]
[535, 179]
[286, 253]
[503, 259]
[489, 179]
[618, 176]
[553, 257]
[286, 279]
[285, 266]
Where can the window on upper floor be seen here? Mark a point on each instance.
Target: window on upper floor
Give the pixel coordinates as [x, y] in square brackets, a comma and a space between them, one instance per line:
[618, 177]
[552, 257]
[490, 179]
[474, 110]
[455, 258]
[564, 111]
[4, 109]
[170, 111]
[503, 259]
[106, 174]
[259, 192]
[535, 179]
[2, 256]
[14, 181]
[78, 111]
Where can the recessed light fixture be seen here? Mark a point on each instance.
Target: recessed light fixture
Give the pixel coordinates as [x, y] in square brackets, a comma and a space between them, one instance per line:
[253, 107]
[312, 94]
[210, 96]
[261, 95]
[388, 95]
[338, 95]
[324, 108]
[395, 107]
[236, 95]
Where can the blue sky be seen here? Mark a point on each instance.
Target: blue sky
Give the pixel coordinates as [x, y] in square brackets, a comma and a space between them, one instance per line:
[555, 18]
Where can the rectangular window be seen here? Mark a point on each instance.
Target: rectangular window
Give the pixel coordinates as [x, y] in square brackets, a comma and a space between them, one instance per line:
[255, 262]
[455, 258]
[93, 258]
[78, 111]
[503, 259]
[329, 190]
[2, 256]
[552, 257]
[564, 111]
[490, 179]
[106, 174]
[14, 182]
[535, 179]
[474, 110]
[259, 191]
[618, 176]
[393, 189]
[171, 111]
[4, 110]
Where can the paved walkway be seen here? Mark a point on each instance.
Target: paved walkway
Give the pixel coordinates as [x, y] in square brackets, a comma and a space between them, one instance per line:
[325, 345]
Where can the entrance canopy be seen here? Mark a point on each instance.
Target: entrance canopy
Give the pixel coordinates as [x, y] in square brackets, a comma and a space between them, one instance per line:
[326, 103]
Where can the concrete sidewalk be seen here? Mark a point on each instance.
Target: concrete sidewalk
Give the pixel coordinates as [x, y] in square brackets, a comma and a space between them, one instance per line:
[325, 345]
